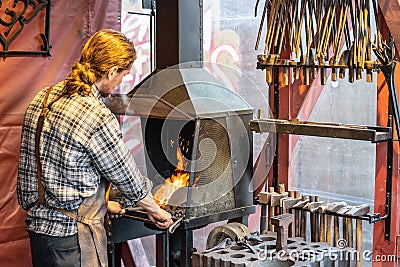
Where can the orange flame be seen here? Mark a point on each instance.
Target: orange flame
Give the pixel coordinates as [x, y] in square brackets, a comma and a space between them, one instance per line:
[179, 179]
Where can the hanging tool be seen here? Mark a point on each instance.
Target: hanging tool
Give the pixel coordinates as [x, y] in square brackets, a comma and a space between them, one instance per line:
[294, 23]
[312, 207]
[333, 208]
[338, 39]
[322, 223]
[353, 50]
[287, 204]
[276, 199]
[300, 27]
[347, 226]
[358, 211]
[323, 50]
[303, 215]
[305, 58]
[272, 25]
[266, 198]
[290, 21]
[262, 21]
[369, 63]
[297, 214]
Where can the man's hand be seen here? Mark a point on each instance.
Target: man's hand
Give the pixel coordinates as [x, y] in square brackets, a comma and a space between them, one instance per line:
[162, 219]
[158, 216]
[114, 209]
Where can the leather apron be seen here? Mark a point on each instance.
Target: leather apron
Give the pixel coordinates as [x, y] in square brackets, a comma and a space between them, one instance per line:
[91, 232]
[90, 216]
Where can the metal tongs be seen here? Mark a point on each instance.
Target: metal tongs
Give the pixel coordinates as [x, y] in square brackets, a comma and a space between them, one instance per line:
[175, 225]
[137, 213]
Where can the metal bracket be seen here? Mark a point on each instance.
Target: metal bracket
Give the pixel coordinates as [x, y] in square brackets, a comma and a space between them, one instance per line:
[394, 110]
[17, 17]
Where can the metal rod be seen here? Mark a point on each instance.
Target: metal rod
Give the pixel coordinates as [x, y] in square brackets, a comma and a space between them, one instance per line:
[261, 24]
[152, 52]
[192, 167]
[141, 14]
[47, 28]
[138, 218]
[275, 98]
[389, 171]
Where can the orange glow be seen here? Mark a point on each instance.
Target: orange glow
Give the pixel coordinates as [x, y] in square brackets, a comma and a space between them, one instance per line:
[179, 179]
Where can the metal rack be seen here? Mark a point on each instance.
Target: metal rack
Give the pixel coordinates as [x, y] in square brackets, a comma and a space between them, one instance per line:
[373, 134]
[333, 130]
[321, 35]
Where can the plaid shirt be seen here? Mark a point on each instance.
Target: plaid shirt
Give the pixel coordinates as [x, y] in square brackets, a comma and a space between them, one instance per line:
[81, 143]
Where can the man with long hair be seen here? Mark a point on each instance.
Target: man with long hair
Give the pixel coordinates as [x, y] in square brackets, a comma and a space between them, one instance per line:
[71, 150]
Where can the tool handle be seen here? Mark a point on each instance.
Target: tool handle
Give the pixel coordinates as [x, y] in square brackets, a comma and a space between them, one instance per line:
[175, 225]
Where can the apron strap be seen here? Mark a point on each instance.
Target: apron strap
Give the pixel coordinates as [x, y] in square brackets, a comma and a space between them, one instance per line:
[78, 218]
[39, 128]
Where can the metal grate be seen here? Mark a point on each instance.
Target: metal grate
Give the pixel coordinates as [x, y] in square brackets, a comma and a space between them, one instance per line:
[213, 167]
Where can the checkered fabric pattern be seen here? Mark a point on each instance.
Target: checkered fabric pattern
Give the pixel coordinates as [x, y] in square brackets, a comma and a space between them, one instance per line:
[81, 143]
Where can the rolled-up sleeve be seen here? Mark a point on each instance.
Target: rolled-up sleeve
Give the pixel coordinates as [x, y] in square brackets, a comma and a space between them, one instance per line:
[115, 163]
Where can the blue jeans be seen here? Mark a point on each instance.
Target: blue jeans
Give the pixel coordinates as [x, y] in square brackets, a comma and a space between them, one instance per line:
[51, 251]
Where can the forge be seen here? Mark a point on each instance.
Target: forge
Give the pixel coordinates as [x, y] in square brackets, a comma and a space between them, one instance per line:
[197, 146]
[197, 143]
